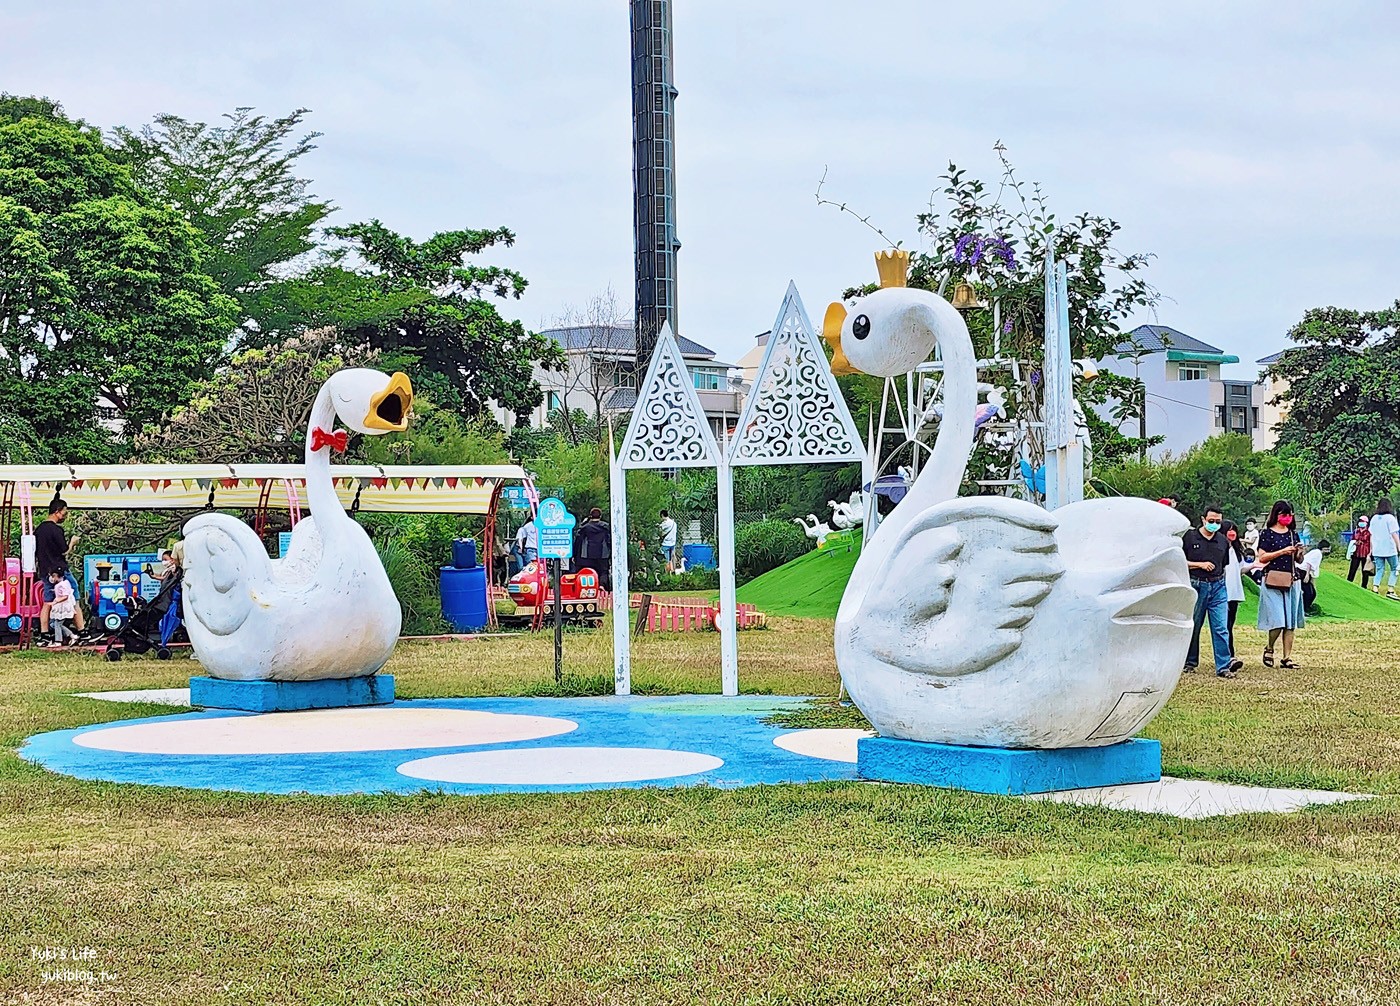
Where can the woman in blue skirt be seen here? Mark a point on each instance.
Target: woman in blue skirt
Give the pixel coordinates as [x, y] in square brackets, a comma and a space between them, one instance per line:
[1280, 607]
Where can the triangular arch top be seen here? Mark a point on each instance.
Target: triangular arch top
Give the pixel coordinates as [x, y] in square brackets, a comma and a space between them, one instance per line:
[668, 427]
[794, 412]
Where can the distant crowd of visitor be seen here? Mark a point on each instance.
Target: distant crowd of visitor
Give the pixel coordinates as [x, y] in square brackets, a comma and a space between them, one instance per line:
[1285, 564]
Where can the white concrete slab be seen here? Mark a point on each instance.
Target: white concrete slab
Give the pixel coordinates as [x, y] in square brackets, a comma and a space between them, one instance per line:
[1198, 798]
[158, 696]
[323, 730]
[829, 744]
[561, 766]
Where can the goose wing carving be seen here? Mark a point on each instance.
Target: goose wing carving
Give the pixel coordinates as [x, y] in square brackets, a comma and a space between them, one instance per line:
[983, 566]
[228, 569]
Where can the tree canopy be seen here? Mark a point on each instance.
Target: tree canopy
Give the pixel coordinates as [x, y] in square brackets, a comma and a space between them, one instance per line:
[237, 183]
[995, 238]
[1343, 401]
[103, 293]
[256, 408]
[424, 303]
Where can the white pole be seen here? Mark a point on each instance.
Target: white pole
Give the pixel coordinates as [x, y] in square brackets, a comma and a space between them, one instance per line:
[728, 621]
[622, 629]
[869, 469]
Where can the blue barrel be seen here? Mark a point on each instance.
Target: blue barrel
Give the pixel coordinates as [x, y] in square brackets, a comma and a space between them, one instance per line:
[464, 553]
[701, 556]
[464, 597]
[1347, 536]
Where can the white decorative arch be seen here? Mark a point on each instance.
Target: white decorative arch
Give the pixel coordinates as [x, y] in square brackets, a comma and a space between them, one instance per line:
[668, 430]
[794, 413]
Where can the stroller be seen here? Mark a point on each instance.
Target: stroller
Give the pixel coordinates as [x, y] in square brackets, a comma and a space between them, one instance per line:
[153, 624]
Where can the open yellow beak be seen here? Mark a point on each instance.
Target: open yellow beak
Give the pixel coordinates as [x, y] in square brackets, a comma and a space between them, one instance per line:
[388, 409]
[831, 332]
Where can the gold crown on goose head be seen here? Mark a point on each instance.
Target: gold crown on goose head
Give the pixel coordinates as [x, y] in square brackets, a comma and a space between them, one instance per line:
[893, 266]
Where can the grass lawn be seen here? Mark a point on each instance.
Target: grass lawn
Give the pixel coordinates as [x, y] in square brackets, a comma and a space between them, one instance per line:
[833, 893]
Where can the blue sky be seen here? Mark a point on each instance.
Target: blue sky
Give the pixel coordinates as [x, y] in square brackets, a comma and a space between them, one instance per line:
[1253, 147]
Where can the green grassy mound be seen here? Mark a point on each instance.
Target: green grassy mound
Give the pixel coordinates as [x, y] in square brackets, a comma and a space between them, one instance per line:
[1336, 598]
[811, 586]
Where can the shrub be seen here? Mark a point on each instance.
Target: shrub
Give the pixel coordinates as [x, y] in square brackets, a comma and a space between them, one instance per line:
[694, 578]
[765, 545]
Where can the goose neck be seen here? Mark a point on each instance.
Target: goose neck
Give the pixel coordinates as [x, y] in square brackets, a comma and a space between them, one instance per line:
[320, 490]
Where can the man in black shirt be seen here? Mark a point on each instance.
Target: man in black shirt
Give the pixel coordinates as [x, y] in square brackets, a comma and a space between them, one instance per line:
[51, 555]
[1207, 554]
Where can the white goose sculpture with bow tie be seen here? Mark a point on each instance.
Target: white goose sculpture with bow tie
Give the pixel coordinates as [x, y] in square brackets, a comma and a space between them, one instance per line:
[327, 610]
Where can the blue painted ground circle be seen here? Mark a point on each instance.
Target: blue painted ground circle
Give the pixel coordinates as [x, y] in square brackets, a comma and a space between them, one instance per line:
[729, 730]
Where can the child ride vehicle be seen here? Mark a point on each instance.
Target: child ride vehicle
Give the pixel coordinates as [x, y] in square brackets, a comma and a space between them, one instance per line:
[13, 606]
[578, 593]
[114, 581]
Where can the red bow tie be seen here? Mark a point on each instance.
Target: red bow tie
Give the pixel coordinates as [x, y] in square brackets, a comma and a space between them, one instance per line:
[335, 441]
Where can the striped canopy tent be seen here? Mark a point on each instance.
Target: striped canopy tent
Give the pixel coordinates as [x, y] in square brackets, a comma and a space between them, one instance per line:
[458, 489]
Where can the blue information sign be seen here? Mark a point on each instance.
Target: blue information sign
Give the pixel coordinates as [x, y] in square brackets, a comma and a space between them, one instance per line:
[516, 497]
[556, 529]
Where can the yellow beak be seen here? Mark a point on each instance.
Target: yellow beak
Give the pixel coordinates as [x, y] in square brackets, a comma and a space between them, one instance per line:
[388, 409]
[831, 332]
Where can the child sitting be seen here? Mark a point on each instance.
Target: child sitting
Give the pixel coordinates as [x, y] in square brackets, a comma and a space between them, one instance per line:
[64, 608]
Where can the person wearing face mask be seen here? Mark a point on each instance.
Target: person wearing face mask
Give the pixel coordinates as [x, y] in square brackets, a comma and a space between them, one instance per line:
[1359, 552]
[1208, 558]
[1234, 581]
[1280, 593]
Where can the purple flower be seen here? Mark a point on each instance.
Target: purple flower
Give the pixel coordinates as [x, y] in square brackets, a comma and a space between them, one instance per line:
[1001, 248]
[960, 247]
[1006, 327]
[1035, 378]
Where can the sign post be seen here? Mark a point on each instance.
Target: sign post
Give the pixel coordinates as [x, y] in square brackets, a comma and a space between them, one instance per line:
[556, 543]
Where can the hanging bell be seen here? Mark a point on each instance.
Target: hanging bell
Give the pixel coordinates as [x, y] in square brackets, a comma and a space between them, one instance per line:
[965, 297]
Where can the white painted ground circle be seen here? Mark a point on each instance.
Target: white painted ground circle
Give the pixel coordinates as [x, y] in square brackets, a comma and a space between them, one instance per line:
[560, 766]
[324, 730]
[828, 744]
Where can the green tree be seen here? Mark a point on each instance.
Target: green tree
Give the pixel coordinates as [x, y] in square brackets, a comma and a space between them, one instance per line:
[995, 237]
[424, 302]
[237, 183]
[255, 409]
[1343, 402]
[103, 293]
[438, 436]
[1222, 471]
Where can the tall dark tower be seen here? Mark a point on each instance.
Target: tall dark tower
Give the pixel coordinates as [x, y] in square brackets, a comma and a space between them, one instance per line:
[653, 172]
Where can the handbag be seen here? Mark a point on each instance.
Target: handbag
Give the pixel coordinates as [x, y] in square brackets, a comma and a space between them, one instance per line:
[1279, 579]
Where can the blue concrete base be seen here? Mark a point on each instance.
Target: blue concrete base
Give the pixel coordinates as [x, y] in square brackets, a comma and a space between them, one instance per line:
[288, 696]
[1009, 771]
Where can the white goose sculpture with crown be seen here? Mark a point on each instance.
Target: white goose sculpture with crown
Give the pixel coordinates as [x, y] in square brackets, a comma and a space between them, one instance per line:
[986, 620]
[327, 610]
